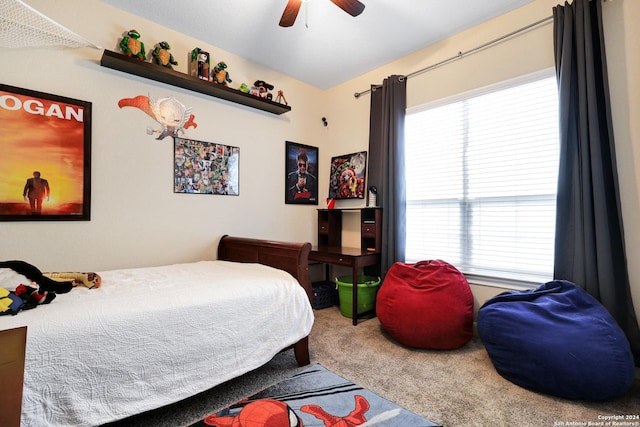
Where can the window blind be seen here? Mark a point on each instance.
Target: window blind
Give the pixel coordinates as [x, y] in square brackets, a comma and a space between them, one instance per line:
[481, 178]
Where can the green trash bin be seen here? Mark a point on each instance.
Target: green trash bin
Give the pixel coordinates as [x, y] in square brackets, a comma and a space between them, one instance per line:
[367, 290]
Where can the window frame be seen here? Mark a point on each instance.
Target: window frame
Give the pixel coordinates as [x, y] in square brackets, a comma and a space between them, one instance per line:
[517, 283]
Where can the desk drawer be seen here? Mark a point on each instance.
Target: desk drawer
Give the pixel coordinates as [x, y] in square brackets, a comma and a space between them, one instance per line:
[369, 230]
[332, 259]
[323, 227]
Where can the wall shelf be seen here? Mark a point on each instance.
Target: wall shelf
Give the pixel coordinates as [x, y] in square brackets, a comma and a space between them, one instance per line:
[161, 74]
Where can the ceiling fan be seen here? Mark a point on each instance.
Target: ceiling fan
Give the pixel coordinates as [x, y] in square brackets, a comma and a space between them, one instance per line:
[352, 7]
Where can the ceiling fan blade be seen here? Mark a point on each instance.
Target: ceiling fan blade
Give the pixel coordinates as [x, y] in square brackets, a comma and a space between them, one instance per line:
[290, 13]
[352, 7]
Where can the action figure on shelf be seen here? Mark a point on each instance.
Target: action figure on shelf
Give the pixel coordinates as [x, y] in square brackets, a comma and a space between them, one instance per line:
[281, 98]
[132, 46]
[162, 56]
[220, 74]
[261, 88]
[200, 64]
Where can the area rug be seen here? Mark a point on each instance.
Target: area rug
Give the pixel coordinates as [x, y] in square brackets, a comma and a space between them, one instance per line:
[316, 397]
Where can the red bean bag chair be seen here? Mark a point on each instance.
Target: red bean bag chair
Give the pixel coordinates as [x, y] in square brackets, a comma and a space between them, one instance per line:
[428, 304]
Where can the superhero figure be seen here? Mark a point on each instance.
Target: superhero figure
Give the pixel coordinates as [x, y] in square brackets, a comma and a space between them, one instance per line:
[273, 413]
[355, 418]
[261, 413]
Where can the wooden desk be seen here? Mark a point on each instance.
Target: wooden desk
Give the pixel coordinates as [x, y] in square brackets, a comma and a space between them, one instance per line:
[355, 258]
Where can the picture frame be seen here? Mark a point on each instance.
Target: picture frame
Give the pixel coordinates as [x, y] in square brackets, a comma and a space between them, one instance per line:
[46, 156]
[205, 167]
[347, 177]
[301, 179]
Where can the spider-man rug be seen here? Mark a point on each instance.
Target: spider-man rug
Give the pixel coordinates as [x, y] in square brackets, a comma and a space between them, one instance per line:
[316, 397]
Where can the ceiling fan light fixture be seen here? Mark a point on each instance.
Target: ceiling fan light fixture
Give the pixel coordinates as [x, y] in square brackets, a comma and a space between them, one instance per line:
[352, 7]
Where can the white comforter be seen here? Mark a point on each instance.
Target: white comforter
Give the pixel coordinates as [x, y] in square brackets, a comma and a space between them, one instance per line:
[152, 336]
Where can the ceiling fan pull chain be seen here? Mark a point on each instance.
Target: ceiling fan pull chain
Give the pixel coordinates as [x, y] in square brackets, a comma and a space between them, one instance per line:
[306, 14]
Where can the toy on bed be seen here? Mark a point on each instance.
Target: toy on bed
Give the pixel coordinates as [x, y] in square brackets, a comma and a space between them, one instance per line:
[41, 289]
[90, 280]
[34, 275]
[23, 298]
[10, 303]
[16, 296]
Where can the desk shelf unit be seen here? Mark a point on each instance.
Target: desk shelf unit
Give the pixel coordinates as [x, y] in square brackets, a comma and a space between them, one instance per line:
[330, 228]
[331, 252]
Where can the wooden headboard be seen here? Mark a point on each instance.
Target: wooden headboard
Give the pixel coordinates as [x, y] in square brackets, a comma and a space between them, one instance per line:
[290, 257]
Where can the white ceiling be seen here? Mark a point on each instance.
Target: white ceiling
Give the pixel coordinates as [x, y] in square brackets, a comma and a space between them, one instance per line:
[326, 46]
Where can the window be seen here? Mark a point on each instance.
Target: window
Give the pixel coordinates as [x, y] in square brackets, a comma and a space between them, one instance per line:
[481, 177]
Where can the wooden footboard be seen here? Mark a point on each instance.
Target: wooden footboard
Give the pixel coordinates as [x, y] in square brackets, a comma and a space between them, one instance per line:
[291, 257]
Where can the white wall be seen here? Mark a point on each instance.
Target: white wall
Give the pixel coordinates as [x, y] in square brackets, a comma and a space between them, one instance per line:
[137, 220]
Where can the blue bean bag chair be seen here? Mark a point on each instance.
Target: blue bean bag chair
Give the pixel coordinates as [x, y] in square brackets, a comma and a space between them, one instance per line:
[557, 339]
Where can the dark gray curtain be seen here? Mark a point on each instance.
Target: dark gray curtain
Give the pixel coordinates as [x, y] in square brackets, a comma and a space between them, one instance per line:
[386, 164]
[589, 248]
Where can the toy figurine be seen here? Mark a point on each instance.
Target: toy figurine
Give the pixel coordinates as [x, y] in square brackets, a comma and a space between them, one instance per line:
[132, 46]
[200, 64]
[281, 98]
[220, 74]
[162, 56]
[261, 88]
[244, 88]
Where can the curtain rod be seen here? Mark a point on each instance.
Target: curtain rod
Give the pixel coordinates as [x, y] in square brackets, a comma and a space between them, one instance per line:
[475, 49]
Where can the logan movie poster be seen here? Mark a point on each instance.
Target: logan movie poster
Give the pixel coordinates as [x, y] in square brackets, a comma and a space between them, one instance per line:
[45, 143]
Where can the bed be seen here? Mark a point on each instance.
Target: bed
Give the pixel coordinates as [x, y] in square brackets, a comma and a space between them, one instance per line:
[149, 337]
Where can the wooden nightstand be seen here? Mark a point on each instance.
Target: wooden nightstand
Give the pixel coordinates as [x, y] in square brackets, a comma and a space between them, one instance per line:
[13, 343]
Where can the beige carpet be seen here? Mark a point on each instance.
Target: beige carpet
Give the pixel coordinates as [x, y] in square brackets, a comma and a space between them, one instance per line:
[453, 388]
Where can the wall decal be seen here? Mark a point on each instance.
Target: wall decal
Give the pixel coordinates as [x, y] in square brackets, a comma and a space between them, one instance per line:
[170, 113]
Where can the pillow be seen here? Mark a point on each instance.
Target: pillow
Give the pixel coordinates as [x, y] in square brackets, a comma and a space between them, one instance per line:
[557, 339]
[10, 279]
